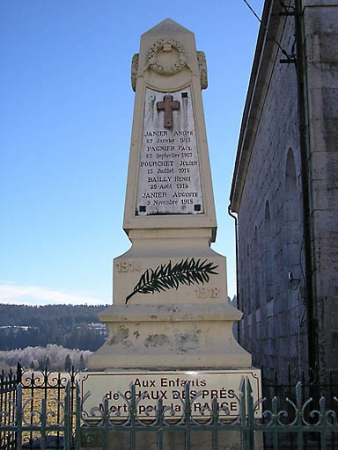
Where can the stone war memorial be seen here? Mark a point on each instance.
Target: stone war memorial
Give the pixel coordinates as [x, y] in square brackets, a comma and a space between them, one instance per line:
[170, 322]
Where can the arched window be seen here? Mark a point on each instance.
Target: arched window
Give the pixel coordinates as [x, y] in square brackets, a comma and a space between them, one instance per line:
[256, 271]
[248, 280]
[293, 234]
[268, 254]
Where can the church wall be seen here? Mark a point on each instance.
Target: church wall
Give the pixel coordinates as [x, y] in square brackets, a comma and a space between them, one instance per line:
[273, 292]
[322, 51]
[273, 314]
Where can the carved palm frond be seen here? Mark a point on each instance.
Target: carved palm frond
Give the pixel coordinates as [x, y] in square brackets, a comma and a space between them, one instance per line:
[171, 276]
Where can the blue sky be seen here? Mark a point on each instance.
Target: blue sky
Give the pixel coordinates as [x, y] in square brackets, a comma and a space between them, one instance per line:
[65, 116]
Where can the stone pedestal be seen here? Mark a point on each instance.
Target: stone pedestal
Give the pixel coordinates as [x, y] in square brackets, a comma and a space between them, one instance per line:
[170, 337]
[188, 326]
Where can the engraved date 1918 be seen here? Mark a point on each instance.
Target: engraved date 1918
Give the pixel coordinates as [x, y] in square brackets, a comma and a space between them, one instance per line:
[207, 292]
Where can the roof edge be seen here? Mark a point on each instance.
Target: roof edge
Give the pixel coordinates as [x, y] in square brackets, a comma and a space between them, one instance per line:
[262, 67]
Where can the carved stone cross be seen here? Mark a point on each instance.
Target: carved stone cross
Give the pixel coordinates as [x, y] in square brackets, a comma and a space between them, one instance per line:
[168, 106]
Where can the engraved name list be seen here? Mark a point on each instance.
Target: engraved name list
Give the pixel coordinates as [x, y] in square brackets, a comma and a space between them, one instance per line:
[169, 173]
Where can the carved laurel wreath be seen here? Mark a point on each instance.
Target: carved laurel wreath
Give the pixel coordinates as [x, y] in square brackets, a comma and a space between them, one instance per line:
[171, 276]
[163, 70]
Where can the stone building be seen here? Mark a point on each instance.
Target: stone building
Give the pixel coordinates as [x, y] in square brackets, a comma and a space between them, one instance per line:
[284, 192]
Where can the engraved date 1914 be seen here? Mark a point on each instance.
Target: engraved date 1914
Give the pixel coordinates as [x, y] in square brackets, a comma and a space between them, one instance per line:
[128, 266]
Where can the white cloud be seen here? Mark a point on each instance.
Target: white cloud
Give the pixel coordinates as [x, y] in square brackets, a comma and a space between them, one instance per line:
[37, 295]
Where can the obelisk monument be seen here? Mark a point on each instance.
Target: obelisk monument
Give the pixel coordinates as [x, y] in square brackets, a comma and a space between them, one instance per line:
[170, 302]
[170, 324]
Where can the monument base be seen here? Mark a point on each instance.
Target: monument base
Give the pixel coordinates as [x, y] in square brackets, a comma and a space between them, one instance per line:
[160, 402]
[172, 440]
[181, 336]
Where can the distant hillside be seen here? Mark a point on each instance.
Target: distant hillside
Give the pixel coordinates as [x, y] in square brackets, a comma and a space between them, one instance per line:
[66, 325]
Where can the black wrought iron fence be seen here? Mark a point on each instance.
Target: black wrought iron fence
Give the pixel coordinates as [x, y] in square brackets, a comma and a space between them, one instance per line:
[8, 389]
[283, 388]
[44, 411]
[37, 409]
[56, 389]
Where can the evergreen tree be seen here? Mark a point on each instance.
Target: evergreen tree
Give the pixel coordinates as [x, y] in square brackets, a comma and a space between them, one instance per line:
[68, 363]
[82, 363]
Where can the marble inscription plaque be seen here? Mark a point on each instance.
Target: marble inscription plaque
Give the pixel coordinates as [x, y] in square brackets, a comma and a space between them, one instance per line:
[150, 386]
[169, 171]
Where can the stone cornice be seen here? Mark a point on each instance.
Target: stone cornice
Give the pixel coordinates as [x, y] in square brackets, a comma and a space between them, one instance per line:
[264, 60]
